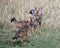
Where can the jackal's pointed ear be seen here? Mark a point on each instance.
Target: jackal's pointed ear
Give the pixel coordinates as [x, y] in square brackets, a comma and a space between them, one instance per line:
[30, 12]
[13, 19]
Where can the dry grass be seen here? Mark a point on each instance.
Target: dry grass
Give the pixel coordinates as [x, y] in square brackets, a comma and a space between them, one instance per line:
[20, 9]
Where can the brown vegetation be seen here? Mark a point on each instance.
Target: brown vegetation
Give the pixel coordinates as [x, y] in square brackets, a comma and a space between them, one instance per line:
[20, 9]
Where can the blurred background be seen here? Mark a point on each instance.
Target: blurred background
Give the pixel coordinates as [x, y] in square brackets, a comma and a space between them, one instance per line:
[21, 8]
[49, 37]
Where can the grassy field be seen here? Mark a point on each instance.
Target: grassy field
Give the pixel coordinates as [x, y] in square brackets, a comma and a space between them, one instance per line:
[41, 39]
[49, 37]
